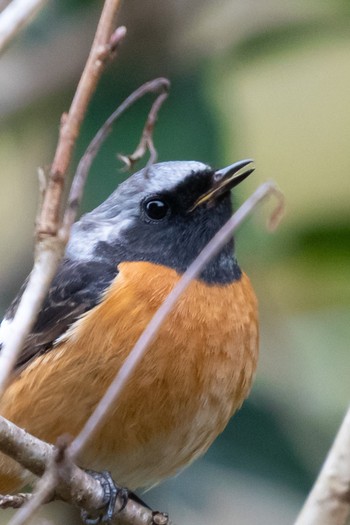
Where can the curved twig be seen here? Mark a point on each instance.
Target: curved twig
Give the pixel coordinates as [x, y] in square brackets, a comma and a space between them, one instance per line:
[154, 86]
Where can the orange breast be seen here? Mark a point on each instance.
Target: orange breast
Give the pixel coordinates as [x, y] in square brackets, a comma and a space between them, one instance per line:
[193, 377]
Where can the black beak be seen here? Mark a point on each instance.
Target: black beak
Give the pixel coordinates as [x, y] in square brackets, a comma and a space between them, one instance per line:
[233, 175]
[226, 179]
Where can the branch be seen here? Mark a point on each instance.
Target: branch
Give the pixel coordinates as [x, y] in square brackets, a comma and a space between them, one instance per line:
[66, 482]
[50, 245]
[15, 16]
[329, 500]
[146, 142]
[62, 478]
[103, 48]
[154, 86]
[14, 501]
[211, 249]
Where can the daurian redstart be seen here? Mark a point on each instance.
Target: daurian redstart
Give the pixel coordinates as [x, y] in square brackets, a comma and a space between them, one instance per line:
[122, 260]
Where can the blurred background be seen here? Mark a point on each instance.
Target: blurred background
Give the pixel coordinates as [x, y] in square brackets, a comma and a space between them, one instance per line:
[268, 80]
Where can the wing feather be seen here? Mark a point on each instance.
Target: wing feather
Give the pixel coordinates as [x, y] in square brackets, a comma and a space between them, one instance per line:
[76, 288]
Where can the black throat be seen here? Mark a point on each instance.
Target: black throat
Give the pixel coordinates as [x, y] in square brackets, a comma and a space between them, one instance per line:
[178, 239]
[220, 270]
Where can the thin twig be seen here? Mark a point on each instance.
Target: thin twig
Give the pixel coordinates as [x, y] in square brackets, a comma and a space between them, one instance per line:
[45, 489]
[50, 246]
[14, 501]
[15, 16]
[154, 86]
[328, 503]
[147, 336]
[146, 142]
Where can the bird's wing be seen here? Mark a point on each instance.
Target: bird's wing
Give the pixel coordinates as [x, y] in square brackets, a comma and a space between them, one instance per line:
[76, 288]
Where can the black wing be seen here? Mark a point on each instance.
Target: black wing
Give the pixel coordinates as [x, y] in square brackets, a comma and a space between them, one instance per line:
[76, 288]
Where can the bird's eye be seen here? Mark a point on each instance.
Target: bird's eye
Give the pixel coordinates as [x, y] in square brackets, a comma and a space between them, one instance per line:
[156, 209]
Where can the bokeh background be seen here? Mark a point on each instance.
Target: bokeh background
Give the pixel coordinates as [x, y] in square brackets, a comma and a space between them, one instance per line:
[250, 78]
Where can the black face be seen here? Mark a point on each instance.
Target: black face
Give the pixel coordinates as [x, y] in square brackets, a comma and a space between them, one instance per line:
[167, 233]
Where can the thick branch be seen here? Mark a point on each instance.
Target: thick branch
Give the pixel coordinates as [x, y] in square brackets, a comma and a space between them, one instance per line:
[73, 484]
[329, 500]
[27, 450]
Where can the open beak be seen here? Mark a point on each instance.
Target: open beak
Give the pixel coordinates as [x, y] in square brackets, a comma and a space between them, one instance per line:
[226, 179]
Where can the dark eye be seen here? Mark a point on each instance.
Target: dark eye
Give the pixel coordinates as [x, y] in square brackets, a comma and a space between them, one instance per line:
[156, 209]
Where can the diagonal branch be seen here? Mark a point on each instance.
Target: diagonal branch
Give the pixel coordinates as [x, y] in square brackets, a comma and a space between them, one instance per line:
[71, 484]
[103, 48]
[50, 246]
[211, 249]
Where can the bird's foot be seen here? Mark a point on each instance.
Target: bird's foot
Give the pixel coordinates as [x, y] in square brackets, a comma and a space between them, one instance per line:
[111, 492]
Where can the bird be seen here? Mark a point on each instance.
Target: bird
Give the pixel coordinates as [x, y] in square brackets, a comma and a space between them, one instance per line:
[122, 260]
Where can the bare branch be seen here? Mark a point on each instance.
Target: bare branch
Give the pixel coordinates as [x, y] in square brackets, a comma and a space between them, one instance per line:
[75, 195]
[147, 336]
[15, 16]
[329, 500]
[50, 246]
[73, 484]
[146, 142]
[14, 501]
[104, 43]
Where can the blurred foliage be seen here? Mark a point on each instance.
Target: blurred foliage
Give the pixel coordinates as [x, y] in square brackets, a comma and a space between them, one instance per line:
[264, 80]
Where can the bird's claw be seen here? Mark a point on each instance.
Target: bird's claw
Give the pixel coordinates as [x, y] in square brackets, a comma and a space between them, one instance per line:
[111, 492]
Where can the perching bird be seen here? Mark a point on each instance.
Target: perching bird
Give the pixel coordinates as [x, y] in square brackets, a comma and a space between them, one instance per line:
[121, 262]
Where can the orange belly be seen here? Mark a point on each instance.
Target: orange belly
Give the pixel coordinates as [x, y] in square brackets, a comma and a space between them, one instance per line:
[193, 377]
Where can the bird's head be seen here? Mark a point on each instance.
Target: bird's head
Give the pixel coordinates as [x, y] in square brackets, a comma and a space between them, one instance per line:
[164, 214]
